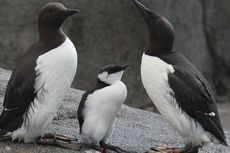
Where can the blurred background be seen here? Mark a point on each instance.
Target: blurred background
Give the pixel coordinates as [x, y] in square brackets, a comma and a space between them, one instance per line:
[113, 32]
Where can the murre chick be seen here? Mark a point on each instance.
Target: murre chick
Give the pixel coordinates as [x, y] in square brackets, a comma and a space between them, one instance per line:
[99, 107]
[39, 81]
[178, 90]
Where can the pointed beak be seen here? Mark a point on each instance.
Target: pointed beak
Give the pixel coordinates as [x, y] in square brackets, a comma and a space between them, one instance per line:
[123, 67]
[145, 12]
[70, 12]
[141, 8]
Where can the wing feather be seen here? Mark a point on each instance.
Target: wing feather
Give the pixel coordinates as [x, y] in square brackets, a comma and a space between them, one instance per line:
[194, 96]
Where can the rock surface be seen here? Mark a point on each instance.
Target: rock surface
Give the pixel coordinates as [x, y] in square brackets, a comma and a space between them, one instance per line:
[135, 130]
[215, 21]
[112, 31]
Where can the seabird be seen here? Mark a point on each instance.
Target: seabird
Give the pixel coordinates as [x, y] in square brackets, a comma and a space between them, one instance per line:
[178, 90]
[39, 81]
[99, 107]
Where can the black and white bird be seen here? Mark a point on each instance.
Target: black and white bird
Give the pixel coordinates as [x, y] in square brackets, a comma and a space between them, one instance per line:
[178, 90]
[39, 81]
[100, 105]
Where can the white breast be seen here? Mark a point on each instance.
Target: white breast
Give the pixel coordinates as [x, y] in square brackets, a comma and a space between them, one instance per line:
[154, 74]
[101, 108]
[55, 71]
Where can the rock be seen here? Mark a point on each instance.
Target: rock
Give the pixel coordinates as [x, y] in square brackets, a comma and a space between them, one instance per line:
[216, 28]
[108, 32]
[30, 148]
[135, 130]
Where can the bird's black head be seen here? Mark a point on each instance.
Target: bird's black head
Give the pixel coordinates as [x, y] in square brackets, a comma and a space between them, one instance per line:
[111, 73]
[53, 14]
[161, 31]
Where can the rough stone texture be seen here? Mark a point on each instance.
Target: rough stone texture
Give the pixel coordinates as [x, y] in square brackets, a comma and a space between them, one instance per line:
[215, 21]
[113, 31]
[135, 130]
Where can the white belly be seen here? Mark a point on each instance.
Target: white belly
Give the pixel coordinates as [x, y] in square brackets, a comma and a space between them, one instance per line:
[154, 74]
[55, 71]
[100, 111]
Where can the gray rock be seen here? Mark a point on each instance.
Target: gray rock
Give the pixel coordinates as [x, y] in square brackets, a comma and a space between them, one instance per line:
[216, 27]
[8, 147]
[135, 130]
[109, 31]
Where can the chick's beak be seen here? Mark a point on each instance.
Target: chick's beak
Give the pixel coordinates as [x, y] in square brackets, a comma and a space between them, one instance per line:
[124, 66]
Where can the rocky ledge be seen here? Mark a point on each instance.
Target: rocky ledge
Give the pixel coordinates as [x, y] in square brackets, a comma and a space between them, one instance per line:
[135, 130]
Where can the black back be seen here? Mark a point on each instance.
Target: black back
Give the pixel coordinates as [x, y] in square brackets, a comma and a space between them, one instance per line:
[81, 106]
[193, 94]
[20, 90]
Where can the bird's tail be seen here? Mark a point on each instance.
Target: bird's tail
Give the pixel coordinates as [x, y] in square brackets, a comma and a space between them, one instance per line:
[2, 131]
[10, 120]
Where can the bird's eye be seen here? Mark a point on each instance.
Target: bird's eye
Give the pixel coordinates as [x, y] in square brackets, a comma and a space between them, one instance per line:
[50, 11]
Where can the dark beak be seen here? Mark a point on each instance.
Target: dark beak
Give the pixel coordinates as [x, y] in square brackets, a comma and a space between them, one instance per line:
[145, 12]
[69, 12]
[123, 67]
[72, 11]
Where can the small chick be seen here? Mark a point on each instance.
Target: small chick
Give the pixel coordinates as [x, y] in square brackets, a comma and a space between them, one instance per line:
[99, 107]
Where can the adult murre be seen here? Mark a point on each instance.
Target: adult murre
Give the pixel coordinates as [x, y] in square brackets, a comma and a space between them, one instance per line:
[40, 80]
[177, 88]
[99, 107]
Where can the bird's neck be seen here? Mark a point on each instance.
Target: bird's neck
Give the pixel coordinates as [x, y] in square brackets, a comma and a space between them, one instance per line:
[157, 53]
[155, 50]
[101, 84]
[51, 35]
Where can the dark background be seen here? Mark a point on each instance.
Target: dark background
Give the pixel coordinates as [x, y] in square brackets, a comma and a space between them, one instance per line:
[113, 32]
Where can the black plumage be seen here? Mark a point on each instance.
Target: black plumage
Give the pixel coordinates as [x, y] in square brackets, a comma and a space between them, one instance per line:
[20, 91]
[193, 94]
[186, 85]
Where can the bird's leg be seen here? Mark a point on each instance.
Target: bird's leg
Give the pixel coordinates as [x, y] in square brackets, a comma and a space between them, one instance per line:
[5, 138]
[113, 148]
[189, 148]
[58, 143]
[57, 137]
[91, 146]
[160, 149]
